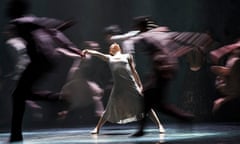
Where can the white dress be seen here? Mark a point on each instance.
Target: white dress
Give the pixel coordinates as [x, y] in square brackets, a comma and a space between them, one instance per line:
[125, 102]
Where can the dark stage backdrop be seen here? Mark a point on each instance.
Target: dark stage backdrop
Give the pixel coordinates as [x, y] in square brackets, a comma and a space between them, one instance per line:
[192, 91]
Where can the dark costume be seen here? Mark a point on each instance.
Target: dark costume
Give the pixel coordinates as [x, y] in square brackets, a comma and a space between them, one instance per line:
[162, 51]
[41, 40]
[227, 82]
[164, 65]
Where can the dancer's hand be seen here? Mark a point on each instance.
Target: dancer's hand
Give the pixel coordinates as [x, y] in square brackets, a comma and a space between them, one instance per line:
[85, 51]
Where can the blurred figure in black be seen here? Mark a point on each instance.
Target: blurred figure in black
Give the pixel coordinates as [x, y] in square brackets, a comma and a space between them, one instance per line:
[155, 41]
[226, 105]
[110, 31]
[41, 36]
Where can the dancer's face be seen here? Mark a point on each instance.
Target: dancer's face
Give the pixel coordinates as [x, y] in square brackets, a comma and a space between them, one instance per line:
[114, 48]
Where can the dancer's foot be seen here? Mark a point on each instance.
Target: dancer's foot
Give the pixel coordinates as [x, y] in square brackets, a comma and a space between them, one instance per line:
[95, 131]
[138, 134]
[161, 130]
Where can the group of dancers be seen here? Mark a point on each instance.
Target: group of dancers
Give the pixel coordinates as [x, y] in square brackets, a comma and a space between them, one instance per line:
[130, 99]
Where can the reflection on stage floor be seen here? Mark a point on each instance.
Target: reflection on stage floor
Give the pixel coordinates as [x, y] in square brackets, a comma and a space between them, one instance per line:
[121, 134]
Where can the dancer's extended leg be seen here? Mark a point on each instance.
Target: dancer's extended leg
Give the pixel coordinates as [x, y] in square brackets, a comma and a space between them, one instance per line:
[100, 123]
[153, 116]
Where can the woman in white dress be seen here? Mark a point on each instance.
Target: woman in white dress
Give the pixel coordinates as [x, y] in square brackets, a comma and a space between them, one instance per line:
[125, 102]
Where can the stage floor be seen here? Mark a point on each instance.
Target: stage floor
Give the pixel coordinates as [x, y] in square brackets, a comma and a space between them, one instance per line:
[120, 134]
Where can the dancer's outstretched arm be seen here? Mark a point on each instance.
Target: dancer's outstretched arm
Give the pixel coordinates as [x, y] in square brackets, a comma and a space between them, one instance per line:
[100, 55]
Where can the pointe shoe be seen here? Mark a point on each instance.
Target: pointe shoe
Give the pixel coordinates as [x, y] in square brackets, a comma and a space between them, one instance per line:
[95, 131]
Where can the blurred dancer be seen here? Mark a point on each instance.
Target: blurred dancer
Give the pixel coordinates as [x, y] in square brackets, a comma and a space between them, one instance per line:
[155, 41]
[17, 47]
[227, 80]
[82, 89]
[111, 31]
[125, 103]
[41, 36]
[15, 61]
